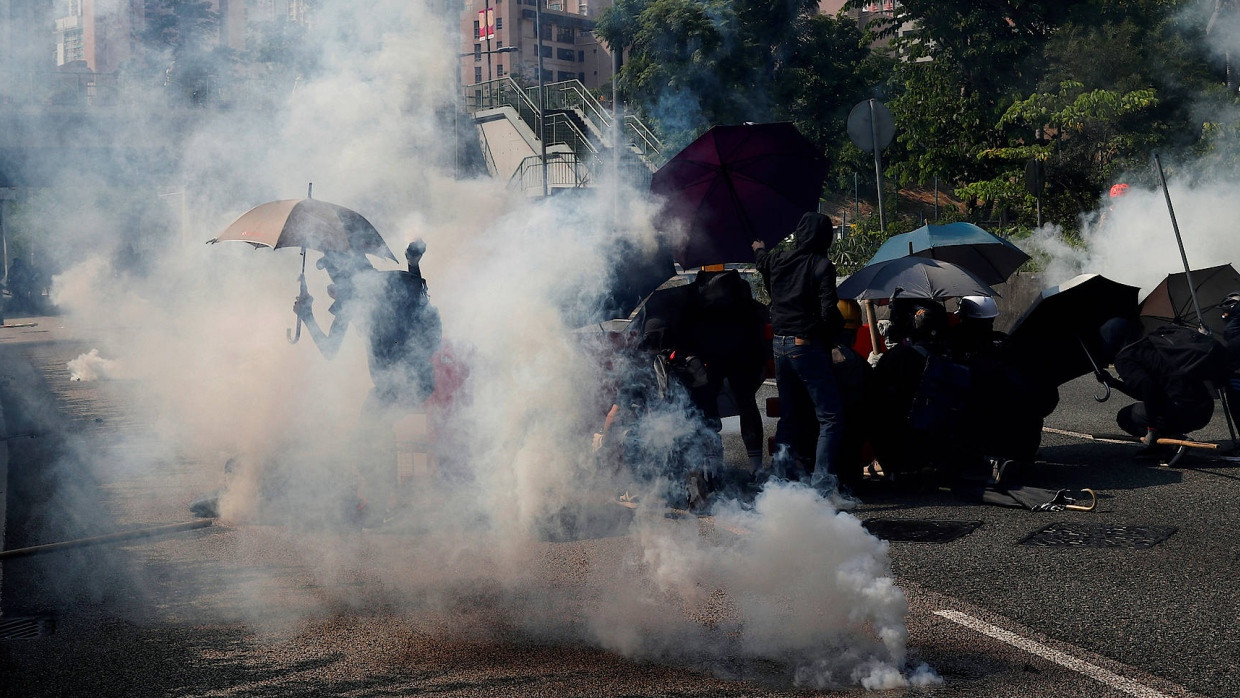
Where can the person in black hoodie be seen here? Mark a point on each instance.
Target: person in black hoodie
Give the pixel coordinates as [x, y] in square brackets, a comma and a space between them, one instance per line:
[806, 323]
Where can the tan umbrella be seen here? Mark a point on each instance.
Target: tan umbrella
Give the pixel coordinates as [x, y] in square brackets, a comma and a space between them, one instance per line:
[306, 223]
[309, 223]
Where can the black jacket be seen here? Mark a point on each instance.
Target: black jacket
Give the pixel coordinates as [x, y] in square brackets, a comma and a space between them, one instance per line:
[801, 282]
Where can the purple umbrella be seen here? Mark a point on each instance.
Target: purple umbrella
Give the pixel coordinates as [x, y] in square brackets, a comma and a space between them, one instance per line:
[737, 184]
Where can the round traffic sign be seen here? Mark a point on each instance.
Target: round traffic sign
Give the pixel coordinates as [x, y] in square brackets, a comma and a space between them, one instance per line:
[871, 121]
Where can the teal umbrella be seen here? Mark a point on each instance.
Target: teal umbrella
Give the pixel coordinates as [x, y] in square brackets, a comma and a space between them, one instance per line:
[988, 256]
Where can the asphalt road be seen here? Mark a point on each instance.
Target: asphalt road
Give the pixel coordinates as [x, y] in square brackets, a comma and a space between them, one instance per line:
[163, 616]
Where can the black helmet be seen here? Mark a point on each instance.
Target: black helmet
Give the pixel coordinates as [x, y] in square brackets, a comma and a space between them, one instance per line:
[1228, 302]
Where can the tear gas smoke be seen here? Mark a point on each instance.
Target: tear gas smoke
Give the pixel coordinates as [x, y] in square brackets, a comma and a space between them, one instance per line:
[201, 330]
[1131, 238]
[90, 366]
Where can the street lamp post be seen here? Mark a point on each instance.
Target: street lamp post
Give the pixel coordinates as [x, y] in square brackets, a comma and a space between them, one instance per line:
[542, 112]
[457, 107]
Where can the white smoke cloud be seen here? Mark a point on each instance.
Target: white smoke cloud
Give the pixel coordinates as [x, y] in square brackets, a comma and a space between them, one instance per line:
[1131, 239]
[203, 330]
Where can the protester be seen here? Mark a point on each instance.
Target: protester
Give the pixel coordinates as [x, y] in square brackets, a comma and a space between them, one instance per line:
[854, 375]
[668, 407]
[728, 333]
[974, 331]
[806, 323]
[1169, 371]
[919, 394]
[1007, 403]
[403, 334]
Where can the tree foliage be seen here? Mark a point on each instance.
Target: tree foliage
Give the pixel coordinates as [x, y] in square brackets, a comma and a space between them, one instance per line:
[977, 88]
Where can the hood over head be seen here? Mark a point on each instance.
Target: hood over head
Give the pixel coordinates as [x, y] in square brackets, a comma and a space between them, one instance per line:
[814, 233]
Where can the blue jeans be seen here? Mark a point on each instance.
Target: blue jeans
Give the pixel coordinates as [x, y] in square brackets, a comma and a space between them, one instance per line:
[804, 373]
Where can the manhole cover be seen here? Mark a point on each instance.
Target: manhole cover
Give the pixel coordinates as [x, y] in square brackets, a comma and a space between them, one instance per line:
[1066, 534]
[919, 530]
[25, 627]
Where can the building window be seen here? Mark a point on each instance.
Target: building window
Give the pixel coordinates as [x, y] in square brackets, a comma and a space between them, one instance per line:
[499, 71]
[477, 29]
[478, 74]
[565, 76]
[565, 35]
[546, 51]
[565, 54]
[582, 78]
[499, 23]
[545, 34]
[581, 56]
[546, 75]
[499, 44]
[477, 52]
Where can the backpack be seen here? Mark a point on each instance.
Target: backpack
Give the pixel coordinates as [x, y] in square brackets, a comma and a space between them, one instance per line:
[1190, 355]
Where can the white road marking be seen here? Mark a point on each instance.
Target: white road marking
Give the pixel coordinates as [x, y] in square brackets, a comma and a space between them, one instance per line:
[1065, 660]
[1080, 435]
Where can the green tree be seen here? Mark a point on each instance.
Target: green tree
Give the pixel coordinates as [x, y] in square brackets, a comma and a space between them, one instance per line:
[690, 64]
[826, 69]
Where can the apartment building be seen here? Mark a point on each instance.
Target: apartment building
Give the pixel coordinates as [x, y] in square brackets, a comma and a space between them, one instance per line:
[95, 36]
[570, 51]
[100, 35]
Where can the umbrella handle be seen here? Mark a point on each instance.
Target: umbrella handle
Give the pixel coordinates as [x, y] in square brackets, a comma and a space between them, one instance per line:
[293, 337]
[1106, 386]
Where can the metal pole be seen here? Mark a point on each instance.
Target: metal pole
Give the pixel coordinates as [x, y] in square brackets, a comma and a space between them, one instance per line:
[542, 113]
[878, 168]
[486, 31]
[616, 60]
[106, 538]
[1192, 290]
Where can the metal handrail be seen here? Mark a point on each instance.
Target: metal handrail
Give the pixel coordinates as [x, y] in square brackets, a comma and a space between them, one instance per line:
[562, 169]
[569, 95]
[644, 137]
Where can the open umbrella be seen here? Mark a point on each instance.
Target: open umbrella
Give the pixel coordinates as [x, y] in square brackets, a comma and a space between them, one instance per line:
[1171, 302]
[1059, 329]
[913, 277]
[306, 223]
[990, 257]
[737, 184]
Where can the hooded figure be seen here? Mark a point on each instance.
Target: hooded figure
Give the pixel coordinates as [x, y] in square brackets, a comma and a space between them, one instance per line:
[806, 321]
[801, 282]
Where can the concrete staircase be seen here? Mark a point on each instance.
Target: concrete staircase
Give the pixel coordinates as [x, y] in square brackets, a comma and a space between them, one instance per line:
[581, 137]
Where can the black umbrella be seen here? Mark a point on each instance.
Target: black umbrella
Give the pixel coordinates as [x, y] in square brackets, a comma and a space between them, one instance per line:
[1059, 331]
[1171, 302]
[737, 184]
[913, 277]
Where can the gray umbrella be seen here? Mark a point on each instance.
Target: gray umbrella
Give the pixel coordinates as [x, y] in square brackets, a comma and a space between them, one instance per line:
[913, 277]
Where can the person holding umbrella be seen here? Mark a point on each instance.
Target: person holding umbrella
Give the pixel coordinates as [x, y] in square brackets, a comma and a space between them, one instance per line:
[806, 321]
[403, 334]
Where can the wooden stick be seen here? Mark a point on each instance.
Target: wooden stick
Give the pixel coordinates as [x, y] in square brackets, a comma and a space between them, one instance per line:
[869, 318]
